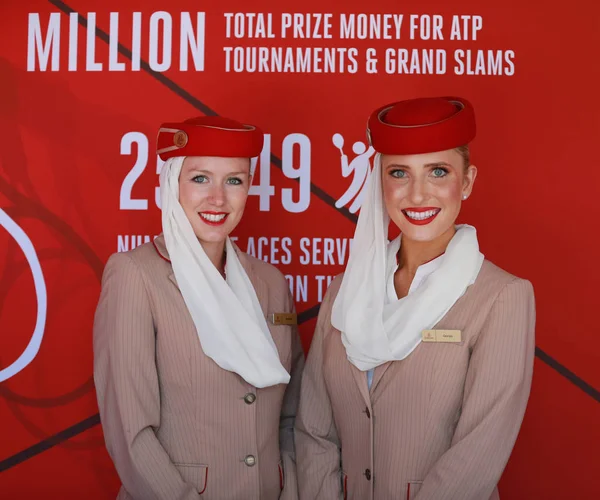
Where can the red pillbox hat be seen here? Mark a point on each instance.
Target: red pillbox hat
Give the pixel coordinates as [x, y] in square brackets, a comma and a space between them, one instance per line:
[209, 136]
[423, 125]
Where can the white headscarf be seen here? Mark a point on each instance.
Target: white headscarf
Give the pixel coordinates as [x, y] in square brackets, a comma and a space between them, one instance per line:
[228, 317]
[375, 331]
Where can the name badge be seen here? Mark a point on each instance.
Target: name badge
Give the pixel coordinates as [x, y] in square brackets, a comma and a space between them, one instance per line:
[441, 336]
[283, 318]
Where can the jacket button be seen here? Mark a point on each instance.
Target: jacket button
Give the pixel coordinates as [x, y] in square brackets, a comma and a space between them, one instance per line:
[249, 398]
[250, 460]
[368, 474]
[368, 412]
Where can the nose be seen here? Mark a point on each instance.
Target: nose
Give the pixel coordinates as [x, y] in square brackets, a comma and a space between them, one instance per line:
[217, 195]
[418, 191]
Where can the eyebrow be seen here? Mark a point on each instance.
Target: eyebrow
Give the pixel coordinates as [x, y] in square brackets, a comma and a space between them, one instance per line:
[429, 165]
[438, 164]
[208, 172]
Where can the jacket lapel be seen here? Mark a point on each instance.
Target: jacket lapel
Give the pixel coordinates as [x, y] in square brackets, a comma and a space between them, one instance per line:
[360, 378]
[378, 375]
[161, 247]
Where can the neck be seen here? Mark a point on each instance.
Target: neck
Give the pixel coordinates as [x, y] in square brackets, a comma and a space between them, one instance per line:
[416, 253]
[216, 253]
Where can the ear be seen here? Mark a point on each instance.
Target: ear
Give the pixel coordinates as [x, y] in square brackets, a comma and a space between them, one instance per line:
[469, 181]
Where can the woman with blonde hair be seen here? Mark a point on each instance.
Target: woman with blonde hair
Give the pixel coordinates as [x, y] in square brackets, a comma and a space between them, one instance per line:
[420, 367]
[192, 360]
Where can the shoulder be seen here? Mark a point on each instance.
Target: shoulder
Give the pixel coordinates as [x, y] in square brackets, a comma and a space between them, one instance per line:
[497, 291]
[142, 260]
[493, 280]
[146, 253]
[272, 276]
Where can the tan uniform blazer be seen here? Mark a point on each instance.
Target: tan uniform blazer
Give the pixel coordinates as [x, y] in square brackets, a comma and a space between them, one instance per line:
[176, 425]
[437, 425]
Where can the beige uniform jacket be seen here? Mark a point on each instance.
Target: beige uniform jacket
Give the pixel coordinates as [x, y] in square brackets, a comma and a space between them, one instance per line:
[176, 425]
[437, 425]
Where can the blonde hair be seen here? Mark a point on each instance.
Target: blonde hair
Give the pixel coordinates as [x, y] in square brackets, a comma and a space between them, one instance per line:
[465, 153]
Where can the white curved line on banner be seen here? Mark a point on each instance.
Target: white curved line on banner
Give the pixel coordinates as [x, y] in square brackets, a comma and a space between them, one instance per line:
[33, 347]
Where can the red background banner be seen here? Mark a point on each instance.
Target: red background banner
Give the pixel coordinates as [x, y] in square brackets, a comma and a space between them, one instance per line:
[78, 176]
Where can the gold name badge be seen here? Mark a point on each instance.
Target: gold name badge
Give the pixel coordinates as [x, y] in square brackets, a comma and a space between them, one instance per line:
[284, 318]
[441, 336]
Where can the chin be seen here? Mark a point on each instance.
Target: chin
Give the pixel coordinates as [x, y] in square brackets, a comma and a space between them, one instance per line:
[422, 234]
[419, 235]
[211, 236]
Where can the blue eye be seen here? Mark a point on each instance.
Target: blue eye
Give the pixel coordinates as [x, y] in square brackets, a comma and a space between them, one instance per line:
[234, 181]
[200, 179]
[398, 174]
[440, 172]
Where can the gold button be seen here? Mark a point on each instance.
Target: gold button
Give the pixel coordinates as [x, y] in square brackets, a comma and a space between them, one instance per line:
[249, 398]
[250, 460]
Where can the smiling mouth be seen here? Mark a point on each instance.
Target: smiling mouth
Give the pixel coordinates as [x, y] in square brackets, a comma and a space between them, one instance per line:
[421, 216]
[213, 218]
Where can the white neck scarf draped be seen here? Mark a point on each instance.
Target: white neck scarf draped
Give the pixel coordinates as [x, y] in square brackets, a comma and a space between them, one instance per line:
[229, 320]
[375, 330]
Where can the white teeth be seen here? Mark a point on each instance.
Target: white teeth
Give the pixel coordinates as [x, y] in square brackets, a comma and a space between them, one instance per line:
[421, 215]
[213, 217]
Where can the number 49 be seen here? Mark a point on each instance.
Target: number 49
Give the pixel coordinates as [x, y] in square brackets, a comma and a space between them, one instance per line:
[263, 188]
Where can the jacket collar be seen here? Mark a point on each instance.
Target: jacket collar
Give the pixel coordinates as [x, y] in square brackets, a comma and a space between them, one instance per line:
[161, 247]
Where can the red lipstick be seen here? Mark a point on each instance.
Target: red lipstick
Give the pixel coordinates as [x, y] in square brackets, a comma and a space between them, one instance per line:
[218, 222]
[419, 210]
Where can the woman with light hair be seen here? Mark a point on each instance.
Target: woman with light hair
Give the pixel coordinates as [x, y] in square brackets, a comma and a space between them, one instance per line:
[421, 364]
[195, 341]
